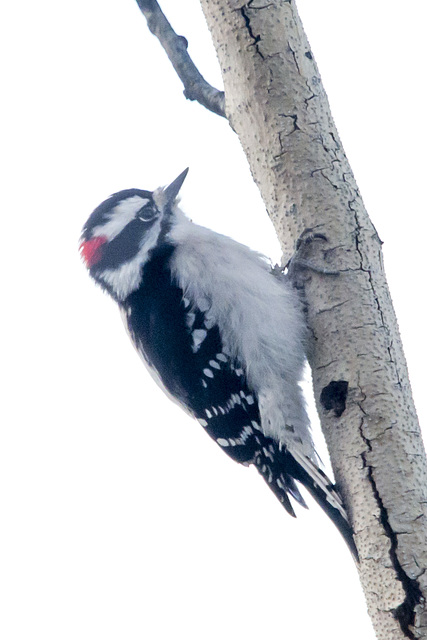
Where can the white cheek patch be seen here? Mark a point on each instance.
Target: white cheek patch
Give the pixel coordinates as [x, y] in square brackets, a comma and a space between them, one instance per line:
[121, 215]
[127, 278]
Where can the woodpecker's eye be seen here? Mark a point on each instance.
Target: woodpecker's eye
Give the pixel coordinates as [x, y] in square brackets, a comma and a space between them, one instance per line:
[147, 212]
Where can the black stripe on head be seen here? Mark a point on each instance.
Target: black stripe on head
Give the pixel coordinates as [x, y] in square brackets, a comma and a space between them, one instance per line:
[100, 215]
[124, 247]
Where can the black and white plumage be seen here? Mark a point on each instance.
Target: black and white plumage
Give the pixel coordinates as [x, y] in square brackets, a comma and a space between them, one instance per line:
[221, 334]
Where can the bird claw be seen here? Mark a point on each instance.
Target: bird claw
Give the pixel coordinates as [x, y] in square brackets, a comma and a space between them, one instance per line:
[300, 260]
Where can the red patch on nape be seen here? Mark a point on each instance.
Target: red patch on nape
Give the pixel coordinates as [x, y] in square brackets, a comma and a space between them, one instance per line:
[91, 250]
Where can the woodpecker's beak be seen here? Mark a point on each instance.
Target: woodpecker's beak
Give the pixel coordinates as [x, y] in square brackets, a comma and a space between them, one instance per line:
[173, 189]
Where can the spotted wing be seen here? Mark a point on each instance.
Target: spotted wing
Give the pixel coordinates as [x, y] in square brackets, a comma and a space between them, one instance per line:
[183, 347]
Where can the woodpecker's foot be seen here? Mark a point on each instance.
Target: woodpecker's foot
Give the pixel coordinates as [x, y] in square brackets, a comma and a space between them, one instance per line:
[302, 261]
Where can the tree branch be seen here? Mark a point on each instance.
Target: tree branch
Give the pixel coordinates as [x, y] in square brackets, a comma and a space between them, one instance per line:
[195, 86]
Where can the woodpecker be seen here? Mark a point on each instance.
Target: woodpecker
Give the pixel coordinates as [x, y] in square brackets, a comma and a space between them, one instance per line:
[222, 335]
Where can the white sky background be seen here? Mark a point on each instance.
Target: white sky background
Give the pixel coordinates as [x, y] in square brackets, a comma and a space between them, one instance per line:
[120, 518]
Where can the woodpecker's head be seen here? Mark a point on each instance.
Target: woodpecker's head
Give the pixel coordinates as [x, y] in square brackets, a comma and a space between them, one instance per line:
[122, 231]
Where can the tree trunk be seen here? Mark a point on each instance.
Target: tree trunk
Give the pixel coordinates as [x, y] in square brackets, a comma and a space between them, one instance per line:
[276, 103]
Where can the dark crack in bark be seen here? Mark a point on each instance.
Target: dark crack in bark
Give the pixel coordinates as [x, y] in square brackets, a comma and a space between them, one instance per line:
[405, 612]
[256, 38]
[294, 55]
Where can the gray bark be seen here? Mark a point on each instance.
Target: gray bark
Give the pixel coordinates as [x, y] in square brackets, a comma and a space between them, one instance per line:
[276, 103]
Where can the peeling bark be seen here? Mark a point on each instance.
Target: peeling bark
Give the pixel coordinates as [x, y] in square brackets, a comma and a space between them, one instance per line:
[276, 103]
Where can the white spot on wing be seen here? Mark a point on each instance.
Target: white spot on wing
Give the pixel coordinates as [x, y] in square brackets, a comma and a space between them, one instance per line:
[222, 442]
[203, 305]
[198, 336]
[189, 319]
[208, 322]
[268, 454]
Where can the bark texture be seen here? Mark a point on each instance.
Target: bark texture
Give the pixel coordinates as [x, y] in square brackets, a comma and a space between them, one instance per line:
[276, 103]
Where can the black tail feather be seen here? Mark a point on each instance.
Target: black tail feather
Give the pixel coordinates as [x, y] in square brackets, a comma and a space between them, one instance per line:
[280, 470]
[330, 509]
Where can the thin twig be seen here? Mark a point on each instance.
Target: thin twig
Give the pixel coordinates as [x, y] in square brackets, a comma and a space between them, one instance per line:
[195, 86]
